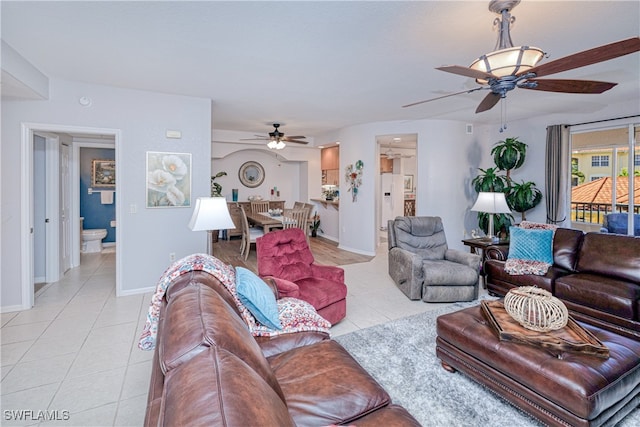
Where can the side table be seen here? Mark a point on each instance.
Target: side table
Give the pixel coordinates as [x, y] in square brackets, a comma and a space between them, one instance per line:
[478, 246]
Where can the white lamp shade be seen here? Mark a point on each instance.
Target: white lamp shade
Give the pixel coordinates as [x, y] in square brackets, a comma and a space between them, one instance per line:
[211, 213]
[508, 61]
[491, 203]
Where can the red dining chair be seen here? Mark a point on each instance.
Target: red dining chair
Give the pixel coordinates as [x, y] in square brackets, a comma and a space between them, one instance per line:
[284, 256]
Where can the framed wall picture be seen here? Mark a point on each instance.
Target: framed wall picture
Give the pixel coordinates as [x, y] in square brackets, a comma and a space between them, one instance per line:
[408, 183]
[103, 173]
[251, 174]
[168, 180]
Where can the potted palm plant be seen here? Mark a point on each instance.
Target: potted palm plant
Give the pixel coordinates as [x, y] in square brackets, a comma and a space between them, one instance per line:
[509, 154]
[315, 225]
[216, 188]
[522, 197]
[490, 181]
[216, 191]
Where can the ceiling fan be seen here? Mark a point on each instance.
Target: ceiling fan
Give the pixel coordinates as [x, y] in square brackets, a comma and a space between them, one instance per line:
[508, 67]
[390, 154]
[277, 139]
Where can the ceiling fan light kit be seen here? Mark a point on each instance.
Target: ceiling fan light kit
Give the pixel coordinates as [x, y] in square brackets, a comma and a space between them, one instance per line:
[277, 139]
[506, 60]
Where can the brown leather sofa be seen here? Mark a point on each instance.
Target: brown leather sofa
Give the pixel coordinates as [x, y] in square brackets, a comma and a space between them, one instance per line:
[596, 275]
[209, 370]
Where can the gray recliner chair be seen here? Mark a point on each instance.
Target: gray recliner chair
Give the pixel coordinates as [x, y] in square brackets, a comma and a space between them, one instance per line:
[422, 265]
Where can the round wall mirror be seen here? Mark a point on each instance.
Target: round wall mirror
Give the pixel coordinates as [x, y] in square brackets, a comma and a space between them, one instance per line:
[251, 174]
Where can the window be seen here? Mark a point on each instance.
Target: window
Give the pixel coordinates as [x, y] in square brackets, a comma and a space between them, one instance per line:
[601, 186]
[599, 161]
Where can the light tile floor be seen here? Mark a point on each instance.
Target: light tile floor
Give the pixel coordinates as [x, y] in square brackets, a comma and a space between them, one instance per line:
[75, 355]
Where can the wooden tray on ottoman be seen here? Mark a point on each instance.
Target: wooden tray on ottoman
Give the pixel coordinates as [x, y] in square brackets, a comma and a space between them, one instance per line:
[572, 338]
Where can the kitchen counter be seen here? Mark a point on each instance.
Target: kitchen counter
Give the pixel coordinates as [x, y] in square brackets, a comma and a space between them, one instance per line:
[325, 203]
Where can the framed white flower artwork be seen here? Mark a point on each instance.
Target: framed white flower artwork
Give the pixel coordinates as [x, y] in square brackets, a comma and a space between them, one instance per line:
[168, 180]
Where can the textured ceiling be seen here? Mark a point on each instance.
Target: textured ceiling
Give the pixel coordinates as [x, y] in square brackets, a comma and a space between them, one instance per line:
[317, 66]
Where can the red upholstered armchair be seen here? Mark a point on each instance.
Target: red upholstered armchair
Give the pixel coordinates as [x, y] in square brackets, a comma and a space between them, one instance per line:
[285, 256]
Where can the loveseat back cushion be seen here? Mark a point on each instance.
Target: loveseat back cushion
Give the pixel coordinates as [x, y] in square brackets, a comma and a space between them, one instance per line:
[197, 318]
[611, 255]
[566, 245]
[284, 254]
[422, 235]
[216, 388]
[200, 276]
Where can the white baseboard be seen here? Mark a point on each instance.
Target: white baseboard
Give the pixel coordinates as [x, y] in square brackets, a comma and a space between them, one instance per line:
[128, 292]
[357, 251]
[11, 308]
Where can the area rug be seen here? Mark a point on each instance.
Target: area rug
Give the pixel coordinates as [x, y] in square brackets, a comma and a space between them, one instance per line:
[401, 356]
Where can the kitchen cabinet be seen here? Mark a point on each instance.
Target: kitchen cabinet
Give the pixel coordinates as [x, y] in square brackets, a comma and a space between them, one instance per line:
[330, 158]
[330, 165]
[386, 165]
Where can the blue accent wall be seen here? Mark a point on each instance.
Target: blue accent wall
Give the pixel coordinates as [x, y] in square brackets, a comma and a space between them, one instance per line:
[96, 215]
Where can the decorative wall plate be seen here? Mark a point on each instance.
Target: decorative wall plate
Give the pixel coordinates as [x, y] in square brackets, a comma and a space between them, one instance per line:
[251, 174]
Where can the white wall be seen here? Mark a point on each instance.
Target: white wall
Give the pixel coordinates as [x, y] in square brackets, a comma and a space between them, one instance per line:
[295, 170]
[147, 237]
[446, 159]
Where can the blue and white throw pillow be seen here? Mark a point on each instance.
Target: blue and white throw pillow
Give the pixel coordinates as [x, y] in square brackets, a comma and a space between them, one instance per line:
[530, 251]
[258, 297]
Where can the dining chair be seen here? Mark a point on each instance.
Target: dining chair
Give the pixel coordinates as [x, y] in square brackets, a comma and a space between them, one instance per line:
[249, 235]
[294, 218]
[260, 206]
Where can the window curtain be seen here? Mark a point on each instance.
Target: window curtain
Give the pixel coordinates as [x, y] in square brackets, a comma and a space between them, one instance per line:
[558, 175]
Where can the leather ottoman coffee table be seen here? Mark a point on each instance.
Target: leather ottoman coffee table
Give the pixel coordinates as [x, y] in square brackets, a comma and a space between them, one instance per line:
[565, 389]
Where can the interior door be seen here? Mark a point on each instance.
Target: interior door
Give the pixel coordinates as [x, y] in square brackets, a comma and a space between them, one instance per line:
[65, 208]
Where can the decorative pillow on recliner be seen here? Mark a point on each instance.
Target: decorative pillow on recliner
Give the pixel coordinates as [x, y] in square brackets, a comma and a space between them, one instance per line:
[258, 297]
[530, 251]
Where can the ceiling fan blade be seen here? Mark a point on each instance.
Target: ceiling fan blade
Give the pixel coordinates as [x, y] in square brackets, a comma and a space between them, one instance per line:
[286, 139]
[444, 96]
[296, 137]
[488, 102]
[262, 138]
[570, 86]
[466, 71]
[587, 57]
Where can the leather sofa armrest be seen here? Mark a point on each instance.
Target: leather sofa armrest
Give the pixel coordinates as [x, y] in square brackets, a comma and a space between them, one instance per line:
[466, 258]
[284, 288]
[329, 272]
[497, 252]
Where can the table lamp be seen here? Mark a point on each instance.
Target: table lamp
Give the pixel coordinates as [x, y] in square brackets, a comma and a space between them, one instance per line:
[491, 203]
[211, 213]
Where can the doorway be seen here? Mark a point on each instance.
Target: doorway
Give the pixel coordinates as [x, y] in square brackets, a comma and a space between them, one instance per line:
[63, 226]
[398, 178]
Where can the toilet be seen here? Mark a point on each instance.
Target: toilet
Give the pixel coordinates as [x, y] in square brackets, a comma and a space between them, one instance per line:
[92, 240]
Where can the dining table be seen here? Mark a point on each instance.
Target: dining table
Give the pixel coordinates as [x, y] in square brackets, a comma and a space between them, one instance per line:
[266, 220]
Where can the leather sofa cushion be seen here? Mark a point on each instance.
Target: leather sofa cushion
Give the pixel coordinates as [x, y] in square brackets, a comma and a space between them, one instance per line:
[611, 255]
[607, 294]
[216, 388]
[323, 385]
[583, 384]
[197, 318]
[495, 270]
[566, 244]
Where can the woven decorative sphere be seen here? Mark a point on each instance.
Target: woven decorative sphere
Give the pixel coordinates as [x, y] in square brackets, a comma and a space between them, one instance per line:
[536, 309]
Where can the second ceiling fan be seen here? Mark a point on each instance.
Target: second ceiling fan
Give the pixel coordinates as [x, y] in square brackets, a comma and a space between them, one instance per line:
[508, 67]
[277, 139]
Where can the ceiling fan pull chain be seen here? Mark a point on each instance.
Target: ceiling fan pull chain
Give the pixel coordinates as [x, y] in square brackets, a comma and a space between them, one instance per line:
[503, 114]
